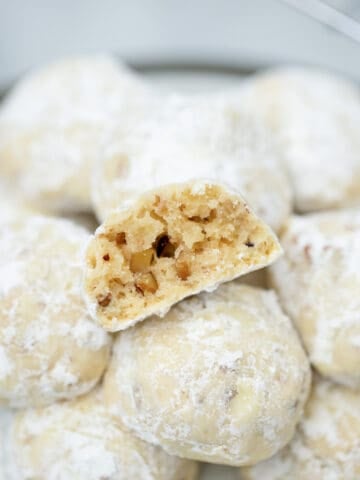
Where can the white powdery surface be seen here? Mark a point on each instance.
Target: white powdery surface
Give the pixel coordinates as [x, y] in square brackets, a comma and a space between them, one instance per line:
[314, 118]
[49, 347]
[80, 440]
[318, 281]
[53, 123]
[326, 445]
[6, 466]
[186, 138]
[221, 378]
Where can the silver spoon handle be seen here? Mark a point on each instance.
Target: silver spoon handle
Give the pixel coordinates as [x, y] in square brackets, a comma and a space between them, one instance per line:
[330, 16]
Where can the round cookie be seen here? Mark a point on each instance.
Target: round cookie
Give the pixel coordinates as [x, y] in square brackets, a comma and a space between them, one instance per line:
[172, 242]
[54, 122]
[222, 378]
[80, 440]
[50, 349]
[313, 117]
[326, 445]
[189, 138]
[318, 282]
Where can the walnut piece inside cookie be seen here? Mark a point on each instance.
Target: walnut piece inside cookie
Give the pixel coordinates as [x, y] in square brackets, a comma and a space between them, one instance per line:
[173, 242]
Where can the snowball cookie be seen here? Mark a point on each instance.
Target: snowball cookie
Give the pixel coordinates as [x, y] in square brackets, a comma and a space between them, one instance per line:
[314, 117]
[54, 121]
[50, 349]
[173, 242]
[321, 261]
[326, 444]
[188, 138]
[222, 378]
[80, 440]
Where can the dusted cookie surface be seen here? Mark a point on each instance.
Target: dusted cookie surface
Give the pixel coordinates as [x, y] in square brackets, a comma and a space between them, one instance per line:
[80, 440]
[50, 349]
[318, 281]
[326, 445]
[314, 118]
[173, 242]
[222, 378]
[54, 122]
[184, 139]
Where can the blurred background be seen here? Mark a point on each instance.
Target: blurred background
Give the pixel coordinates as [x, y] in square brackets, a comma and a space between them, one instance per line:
[157, 34]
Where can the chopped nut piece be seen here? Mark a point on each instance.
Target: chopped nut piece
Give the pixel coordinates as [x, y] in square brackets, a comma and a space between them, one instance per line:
[120, 238]
[196, 218]
[163, 246]
[141, 261]
[146, 282]
[182, 270]
[104, 299]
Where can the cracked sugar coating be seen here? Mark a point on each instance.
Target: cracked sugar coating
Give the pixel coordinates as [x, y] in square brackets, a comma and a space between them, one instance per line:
[326, 445]
[175, 241]
[222, 378]
[184, 139]
[322, 258]
[50, 349]
[54, 122]
[80, 440]
[314, 118]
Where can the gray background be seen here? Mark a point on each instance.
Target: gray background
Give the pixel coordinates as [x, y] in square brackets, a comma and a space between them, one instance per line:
[226, 31]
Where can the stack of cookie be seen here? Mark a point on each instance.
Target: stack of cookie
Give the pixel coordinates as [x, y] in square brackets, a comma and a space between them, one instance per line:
[173, 328]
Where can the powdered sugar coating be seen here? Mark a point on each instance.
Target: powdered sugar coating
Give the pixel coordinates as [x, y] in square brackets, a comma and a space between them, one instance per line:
[80, 440]
[326, 445]
[321, 261]
[53, 123]
[222, 378]
[188, 138]
[49, 347]
[314, 118]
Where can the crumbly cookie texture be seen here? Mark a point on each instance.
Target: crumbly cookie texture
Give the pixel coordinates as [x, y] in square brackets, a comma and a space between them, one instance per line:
[50, 349]
[54, 122]
[326, 445]
[80, 440]
[318, 282]
[173, 242]
[223, 378]
[188, 138]
[314, 118]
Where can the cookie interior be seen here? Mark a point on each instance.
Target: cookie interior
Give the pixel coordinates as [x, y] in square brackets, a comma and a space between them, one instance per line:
[171, 244]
